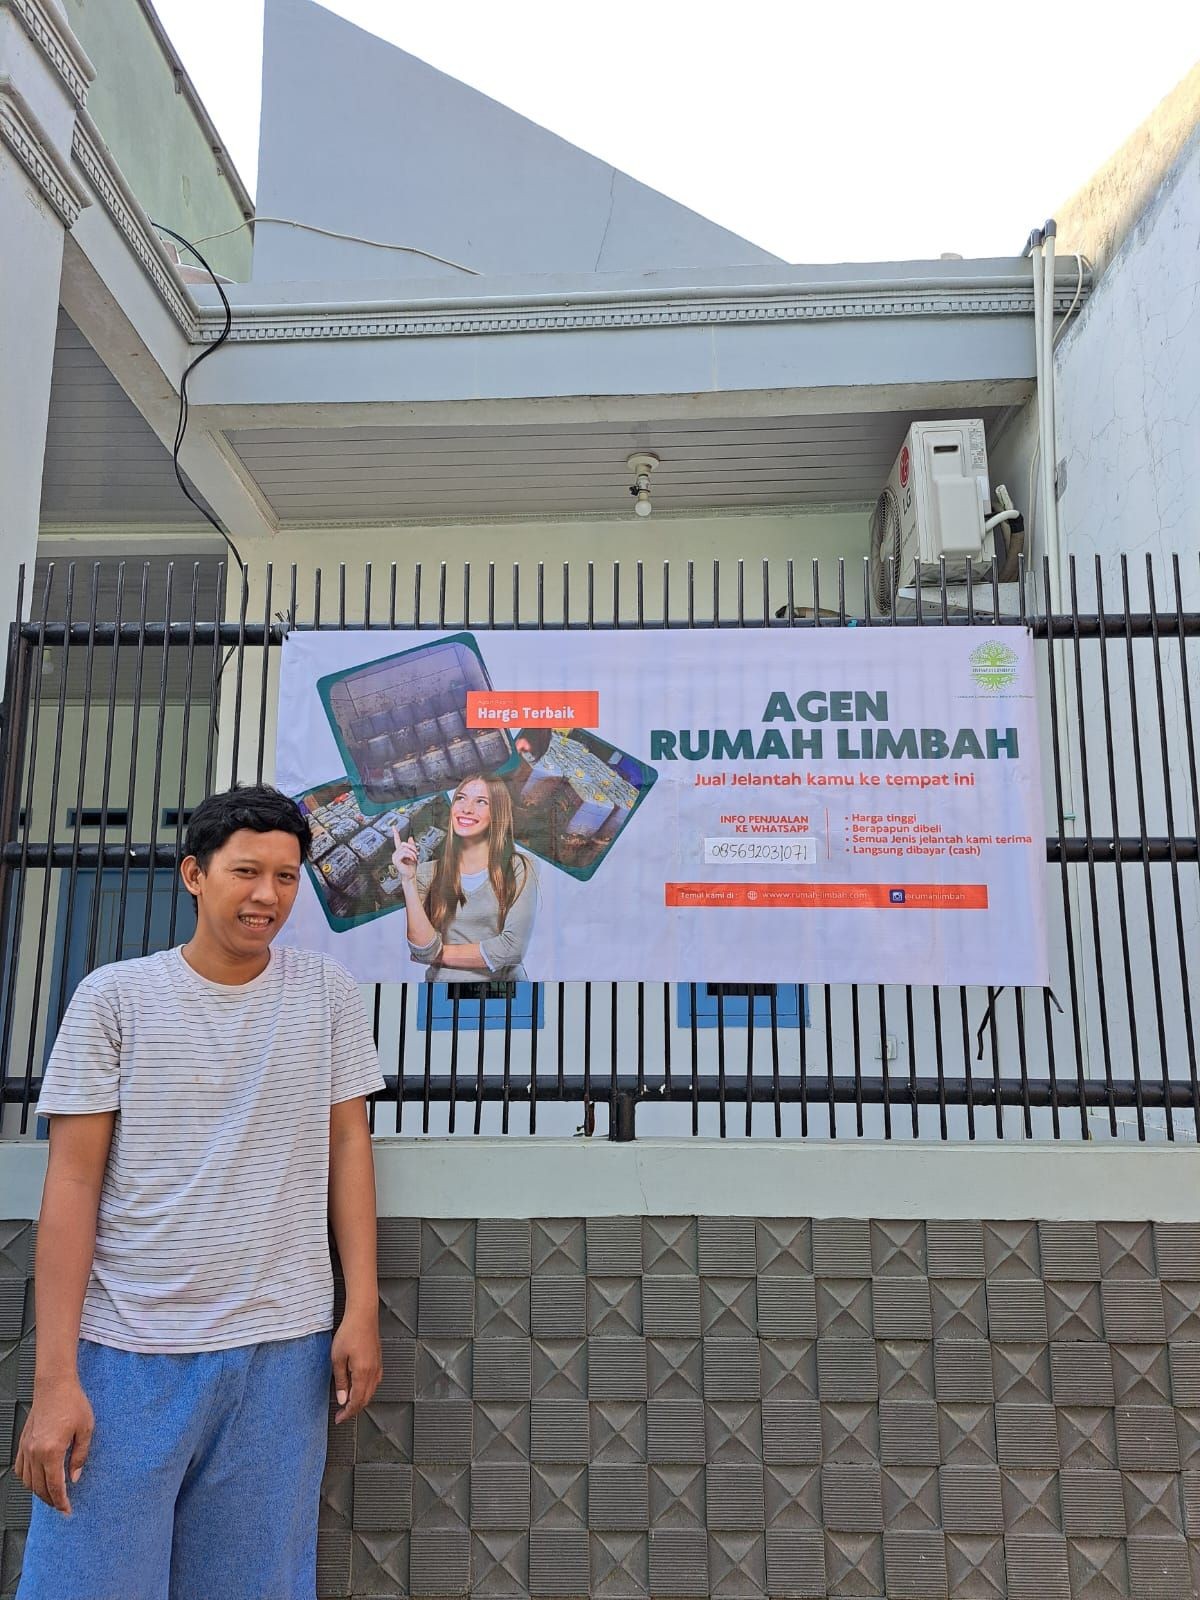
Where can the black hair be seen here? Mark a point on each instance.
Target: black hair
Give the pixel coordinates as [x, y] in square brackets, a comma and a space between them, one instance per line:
[538, 740]
[255, 806]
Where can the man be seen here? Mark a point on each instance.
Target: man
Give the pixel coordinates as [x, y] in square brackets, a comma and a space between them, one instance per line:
[207, 1127]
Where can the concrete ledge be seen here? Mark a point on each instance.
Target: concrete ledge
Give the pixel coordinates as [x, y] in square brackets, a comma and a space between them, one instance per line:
[517, 1177]
[577, 1177]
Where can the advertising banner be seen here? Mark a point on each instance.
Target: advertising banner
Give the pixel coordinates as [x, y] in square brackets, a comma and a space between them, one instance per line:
[832, 805]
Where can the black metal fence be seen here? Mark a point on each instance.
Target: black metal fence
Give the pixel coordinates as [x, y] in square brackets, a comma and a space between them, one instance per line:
[133, 689]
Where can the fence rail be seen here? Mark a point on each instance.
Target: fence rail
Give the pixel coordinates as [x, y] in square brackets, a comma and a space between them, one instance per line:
[132, 690]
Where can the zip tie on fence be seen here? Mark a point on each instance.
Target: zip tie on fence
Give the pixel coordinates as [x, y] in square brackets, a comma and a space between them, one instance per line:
[991, 1006]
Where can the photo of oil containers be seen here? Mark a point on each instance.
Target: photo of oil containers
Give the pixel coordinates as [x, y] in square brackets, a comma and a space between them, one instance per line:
[400, 723]
[573, 795]
[351, 861]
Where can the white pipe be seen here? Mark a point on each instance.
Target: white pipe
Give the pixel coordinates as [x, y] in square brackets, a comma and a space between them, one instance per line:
[1039, 359]
[1050, 437]
[1001, 516]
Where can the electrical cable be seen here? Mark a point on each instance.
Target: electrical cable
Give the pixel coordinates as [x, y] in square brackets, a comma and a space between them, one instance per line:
[333, 233]
[1081, 261]
[182, 422]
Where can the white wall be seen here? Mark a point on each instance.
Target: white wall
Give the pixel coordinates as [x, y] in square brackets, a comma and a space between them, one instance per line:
[1128, 391]
[1128, 379]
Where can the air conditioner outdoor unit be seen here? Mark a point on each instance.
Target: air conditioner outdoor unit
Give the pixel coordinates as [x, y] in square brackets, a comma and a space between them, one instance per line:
[933, 506]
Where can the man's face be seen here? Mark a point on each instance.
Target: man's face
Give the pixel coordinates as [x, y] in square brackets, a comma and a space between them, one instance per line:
[246, 893]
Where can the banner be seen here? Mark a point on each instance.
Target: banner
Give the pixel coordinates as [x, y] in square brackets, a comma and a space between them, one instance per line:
[832, 805]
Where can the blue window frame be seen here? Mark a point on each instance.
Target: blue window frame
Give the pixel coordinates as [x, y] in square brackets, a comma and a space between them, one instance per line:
[741, 1002]
[118, 934]
[480, 1005]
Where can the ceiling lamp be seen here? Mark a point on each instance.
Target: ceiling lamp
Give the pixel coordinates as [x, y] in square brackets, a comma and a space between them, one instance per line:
[641, 465]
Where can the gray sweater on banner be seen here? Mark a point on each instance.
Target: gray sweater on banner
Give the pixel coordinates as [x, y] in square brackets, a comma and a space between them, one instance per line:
[478, 922]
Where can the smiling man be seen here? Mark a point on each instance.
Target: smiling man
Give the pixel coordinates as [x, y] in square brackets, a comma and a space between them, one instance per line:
[207, 1128]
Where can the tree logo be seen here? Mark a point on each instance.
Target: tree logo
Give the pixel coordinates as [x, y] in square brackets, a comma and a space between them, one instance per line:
[993, 665]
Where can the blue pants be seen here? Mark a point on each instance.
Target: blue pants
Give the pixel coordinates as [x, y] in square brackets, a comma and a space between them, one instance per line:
[203, 1480]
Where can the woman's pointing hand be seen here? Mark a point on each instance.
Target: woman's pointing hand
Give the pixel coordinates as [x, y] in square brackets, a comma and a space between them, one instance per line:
[405, 856]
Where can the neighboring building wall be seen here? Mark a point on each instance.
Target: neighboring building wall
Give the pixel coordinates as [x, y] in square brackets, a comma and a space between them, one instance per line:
[147, 114]
[1128, 389]
[1128, 392]
[1127, 376]
[1098, 217]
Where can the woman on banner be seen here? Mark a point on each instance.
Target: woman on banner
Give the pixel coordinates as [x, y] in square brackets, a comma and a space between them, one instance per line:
[471, 909]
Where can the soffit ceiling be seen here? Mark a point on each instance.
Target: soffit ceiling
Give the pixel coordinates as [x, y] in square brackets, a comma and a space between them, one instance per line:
[362, 474]
[105, 466]
[103, 463]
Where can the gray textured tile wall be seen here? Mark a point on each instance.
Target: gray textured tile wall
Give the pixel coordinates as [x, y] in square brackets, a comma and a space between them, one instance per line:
[784, 1408]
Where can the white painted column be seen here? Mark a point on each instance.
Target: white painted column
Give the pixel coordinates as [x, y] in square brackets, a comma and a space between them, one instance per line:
[43, 81]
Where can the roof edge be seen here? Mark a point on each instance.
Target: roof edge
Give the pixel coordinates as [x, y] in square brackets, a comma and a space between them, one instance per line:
[1003, 288]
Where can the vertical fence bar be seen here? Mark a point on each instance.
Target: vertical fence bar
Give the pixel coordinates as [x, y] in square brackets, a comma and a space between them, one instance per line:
[160, 722]
[534, 1031]
[1090, 840]
[216, 667]
[134, 752]
[507, 1068]
[239, 674]
[401, 1056]
[264, 664]
[856, 1047]
[1189, 728]
[829, 1065]
[1172, 847]
[939, 1064]
[915, 1110]
[454, 1021]
[1143, 835]
[751, 1030]
[21, 730]
[185, 729]
[13, 730]
[968, 1078]
[59, 1005]
[1059, 759]
[885, 1071]
[51, 833]
[1118, 866]
[695, 1059]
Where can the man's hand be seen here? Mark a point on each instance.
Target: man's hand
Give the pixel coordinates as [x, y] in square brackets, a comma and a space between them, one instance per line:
[59, 1421]
[357, 1360]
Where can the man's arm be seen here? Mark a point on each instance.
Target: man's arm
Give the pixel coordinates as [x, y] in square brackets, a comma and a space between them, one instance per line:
[357, 1353]
[60, 1418]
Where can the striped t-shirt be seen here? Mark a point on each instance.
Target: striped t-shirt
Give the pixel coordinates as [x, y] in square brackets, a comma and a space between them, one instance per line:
[212, 1230]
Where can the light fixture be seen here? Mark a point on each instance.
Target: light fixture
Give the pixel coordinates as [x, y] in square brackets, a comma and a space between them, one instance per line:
[641, 465]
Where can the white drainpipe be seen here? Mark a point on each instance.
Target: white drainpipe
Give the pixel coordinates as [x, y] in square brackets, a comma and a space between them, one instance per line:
[1049, 434]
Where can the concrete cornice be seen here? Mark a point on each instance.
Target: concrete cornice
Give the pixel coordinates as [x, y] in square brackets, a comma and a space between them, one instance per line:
[57, 43]
[27, 139]
[114, 194]
[688, 306]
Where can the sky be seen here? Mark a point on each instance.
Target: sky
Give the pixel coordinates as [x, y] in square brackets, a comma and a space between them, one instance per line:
[850, 131]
